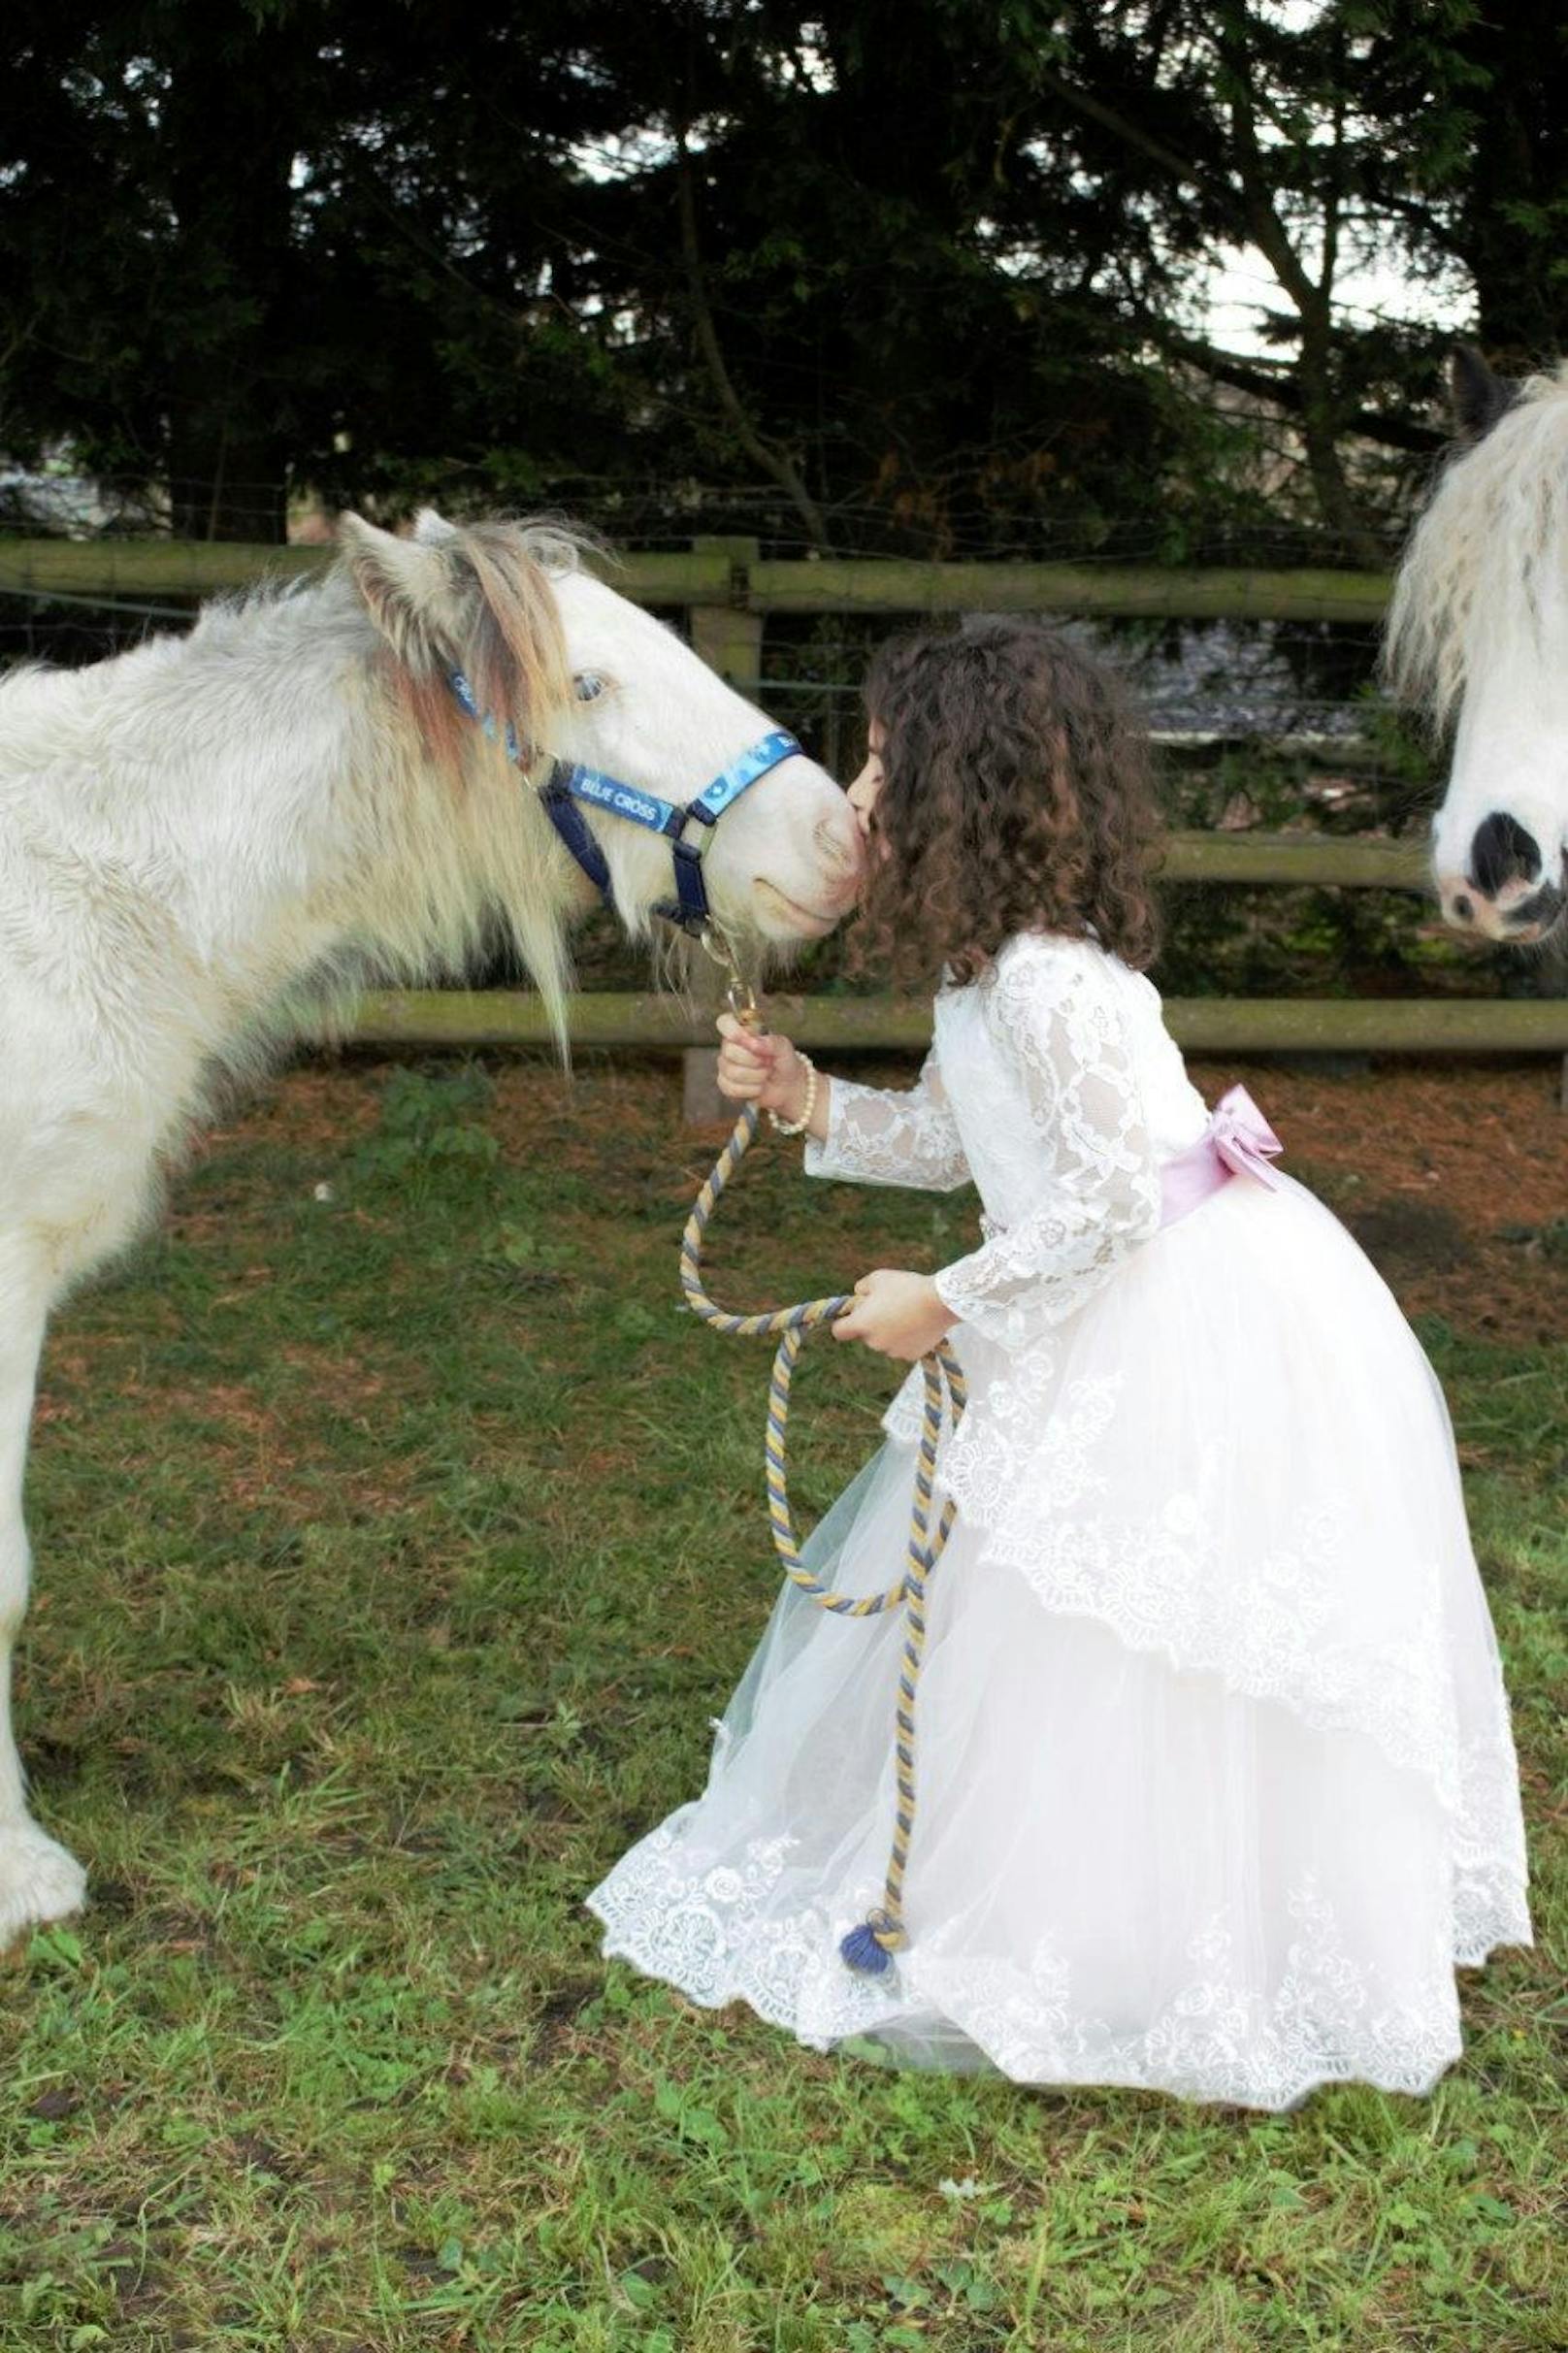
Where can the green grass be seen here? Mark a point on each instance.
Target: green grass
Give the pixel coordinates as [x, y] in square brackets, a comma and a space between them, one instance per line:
[395, 1550]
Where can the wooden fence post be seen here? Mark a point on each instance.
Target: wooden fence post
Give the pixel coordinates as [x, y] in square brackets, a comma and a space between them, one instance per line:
[729, 636]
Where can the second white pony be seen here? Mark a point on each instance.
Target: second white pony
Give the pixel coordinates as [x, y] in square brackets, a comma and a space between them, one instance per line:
[1479, 632]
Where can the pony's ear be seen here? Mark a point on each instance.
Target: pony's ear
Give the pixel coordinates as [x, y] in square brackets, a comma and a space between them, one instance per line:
[478, 601]
[1477, 397]
[405, 586]
[433, 529]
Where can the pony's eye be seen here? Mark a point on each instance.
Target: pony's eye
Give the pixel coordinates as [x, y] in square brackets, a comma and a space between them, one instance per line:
[588, 686]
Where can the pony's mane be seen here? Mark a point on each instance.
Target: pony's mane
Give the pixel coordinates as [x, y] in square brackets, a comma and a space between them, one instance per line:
[479, 598]
[1488, 555]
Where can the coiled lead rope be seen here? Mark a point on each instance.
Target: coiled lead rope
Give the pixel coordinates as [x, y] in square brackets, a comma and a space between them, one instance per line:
[871, 1945]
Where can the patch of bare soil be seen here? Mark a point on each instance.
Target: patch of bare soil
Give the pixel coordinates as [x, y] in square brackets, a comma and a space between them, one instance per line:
[1453, 1178]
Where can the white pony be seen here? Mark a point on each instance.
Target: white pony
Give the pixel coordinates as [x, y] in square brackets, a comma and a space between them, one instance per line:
[196, 835]
[1478, 630]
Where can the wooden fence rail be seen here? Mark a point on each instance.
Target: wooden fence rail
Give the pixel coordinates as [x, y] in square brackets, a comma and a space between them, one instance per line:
[450, 1019]
[726, 588]
[729, 574]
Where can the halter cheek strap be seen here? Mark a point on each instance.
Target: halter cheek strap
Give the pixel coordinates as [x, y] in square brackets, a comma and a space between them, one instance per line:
[574, 832]
[570, 787]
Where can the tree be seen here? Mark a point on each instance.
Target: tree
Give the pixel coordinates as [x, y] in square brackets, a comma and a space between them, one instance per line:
[1301, 135]
[922, 274]
[245, 245]
[1496, 202]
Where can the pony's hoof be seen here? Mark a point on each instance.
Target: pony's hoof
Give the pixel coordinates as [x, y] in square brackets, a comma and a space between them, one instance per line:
[39, 1882]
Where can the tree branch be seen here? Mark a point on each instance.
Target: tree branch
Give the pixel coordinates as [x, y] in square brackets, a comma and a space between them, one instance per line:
[1334, 193]
[1256, 378]
[1268, 231]
[1129, 133]
[774, 461]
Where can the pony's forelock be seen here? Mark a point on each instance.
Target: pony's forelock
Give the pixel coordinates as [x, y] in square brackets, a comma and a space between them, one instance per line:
[1489, 549]
[515, 656]
[496, 621]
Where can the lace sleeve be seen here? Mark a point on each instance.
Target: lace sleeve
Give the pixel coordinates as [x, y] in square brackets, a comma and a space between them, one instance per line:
[1056, 1017]
[891, 1136]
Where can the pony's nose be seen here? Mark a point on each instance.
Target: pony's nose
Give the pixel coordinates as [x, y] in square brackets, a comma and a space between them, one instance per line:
[839, 841]
[1503, 851]
[1534, 917]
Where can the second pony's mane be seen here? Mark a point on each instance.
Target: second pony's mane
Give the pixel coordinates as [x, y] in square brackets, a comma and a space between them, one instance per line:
[1485, 573]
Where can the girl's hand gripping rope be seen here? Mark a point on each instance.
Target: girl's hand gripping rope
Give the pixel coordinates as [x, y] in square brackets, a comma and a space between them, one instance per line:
[756, 1066]
[894, 1313]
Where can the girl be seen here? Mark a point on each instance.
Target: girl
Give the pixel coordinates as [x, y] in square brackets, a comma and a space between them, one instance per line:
[1216, 1782]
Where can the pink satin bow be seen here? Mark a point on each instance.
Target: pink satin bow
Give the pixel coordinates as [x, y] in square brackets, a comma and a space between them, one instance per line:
[1243, 1138]
[1238, 1141]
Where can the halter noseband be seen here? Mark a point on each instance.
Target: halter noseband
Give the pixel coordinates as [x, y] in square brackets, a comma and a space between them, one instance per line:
[568, 786]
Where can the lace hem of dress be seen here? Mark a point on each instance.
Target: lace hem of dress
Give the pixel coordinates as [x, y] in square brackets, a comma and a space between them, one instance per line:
[721, 1935]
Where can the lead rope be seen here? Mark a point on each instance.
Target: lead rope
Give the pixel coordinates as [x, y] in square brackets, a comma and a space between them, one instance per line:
[870, 1946]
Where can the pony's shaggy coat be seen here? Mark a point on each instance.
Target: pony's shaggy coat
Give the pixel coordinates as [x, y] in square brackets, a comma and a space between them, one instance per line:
[202, 838]
[1486, 568]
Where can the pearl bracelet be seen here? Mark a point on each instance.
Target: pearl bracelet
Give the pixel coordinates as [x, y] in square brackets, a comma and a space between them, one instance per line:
[799, 1125]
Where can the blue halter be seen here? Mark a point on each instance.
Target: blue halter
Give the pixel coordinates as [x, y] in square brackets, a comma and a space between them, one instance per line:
[569, 784]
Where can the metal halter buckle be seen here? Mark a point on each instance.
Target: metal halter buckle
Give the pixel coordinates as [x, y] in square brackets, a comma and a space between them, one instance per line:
[739, 993]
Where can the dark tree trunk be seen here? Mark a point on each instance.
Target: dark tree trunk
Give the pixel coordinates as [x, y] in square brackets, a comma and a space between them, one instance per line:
[1519, 166]
[230, 144]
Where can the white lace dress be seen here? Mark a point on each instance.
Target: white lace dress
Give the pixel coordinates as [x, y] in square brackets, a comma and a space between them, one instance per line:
[1216, 1781]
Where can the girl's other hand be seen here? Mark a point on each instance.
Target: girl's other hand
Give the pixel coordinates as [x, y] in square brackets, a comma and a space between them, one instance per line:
[761, 1069]
[896, 1313]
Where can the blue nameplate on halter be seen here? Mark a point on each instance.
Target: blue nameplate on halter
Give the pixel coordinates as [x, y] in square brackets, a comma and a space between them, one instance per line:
[627, 801]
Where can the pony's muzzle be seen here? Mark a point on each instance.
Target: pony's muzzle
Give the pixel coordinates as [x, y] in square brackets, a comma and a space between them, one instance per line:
[838, 843]
[1504, 892]
[1534, 917]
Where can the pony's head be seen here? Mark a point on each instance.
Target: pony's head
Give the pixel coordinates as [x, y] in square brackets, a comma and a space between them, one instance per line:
[578, 674]
[1478, 632]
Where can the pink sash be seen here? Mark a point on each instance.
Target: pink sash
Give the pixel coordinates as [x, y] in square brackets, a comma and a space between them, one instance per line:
[1238, 1141]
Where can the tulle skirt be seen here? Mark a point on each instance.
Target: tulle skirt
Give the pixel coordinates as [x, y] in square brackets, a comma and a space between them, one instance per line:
[1214, 1776]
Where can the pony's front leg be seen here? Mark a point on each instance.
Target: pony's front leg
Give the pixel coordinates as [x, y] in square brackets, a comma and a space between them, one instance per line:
[38, 1880]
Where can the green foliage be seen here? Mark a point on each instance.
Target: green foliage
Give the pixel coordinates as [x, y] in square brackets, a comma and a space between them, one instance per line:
[423, 1120]
[952, 257]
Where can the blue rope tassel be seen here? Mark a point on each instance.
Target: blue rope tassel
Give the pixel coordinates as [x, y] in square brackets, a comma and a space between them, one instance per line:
[861, 1949]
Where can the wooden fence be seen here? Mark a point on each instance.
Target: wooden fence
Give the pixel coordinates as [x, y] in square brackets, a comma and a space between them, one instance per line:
[730, 575]
[452, 1018]
[726, 589]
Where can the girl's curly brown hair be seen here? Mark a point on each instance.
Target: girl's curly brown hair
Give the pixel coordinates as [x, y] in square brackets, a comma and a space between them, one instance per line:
[1017, 796]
